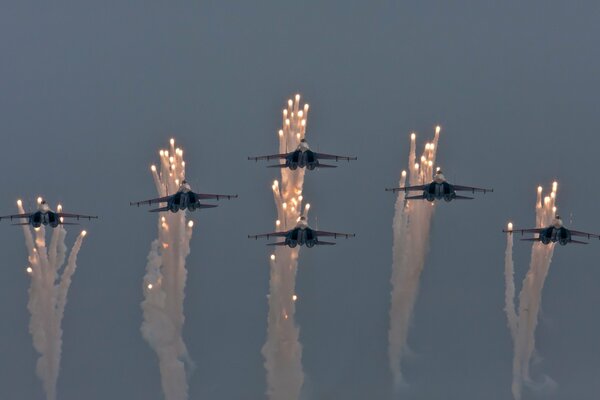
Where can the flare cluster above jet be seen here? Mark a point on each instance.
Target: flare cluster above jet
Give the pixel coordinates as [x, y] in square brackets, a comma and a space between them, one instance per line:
[303, 157]
[439, 189]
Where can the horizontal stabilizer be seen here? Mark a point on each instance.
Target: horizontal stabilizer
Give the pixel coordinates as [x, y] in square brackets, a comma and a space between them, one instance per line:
[277, 166]
[69, 223]
[277, 244]
[327, 166]
[458, 197]
[207, 206]
[321, 243]
[578, 242]
[415, 197]
[531, 239]
[165, 208]
[21, 223]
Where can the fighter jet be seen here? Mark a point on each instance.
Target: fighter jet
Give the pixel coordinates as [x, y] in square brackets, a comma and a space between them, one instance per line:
[302, 157]
[184, 199]
[439, 189]
[302, 234]
[556, 232]
[45, 216]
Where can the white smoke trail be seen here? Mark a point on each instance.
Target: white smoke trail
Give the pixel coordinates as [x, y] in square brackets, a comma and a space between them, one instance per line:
[48, 291]
[412, 221]
[282, 350]
[164, 282]
[522, 324]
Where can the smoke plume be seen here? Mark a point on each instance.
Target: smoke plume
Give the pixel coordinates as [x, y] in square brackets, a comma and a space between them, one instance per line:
[50, 282]
[411, 225]
[282, 351]
[522, 324]
[164, 282]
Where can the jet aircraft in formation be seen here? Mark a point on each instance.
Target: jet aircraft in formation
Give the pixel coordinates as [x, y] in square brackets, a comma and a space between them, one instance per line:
[554, 233]
[439, 189]
[184, 199]
[45, 216]
[302, 235]
[302, 157]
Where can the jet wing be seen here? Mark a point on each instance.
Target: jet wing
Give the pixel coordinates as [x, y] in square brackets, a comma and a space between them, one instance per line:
[522, 231]
[407, 188]
[324, 156]
[270, 157]
[205, 196]
[78, 216]
[151, 201]
[11, 217]
[459, 188]
[334, 234]
[584, 234]
[268, 235]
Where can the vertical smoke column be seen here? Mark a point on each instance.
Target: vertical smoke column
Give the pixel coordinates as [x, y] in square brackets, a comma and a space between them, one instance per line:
[522, 324]
[282, 351]
[50, 283]
[411, 224]
[164, 282]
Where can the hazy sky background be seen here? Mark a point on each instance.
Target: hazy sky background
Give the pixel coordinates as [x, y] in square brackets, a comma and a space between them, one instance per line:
[90, 92]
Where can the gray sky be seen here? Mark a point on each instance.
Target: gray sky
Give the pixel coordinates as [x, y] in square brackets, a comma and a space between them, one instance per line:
[90, 92]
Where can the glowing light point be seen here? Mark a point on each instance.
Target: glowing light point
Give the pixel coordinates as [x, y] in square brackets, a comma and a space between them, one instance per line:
[416, 165]
[83, 233]
[297, 97]
[29, 270]
[39, 200]
[149, 286]
[540, 189]
[172, 141]
[284, 205]
[294, 297]
[161, 153]
[413, 136]
[19, 203]
[554, 186]
[510, 226]
[190, 224]
[546, 200]
[153, 168]
[272, 257]
[163, 219]
[281, 132]
[37, 230]
[554, 209]
[277, 223]
[290, 102]
[307, 207]
[438, 129]
[403, 173]
[430, 163]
